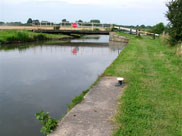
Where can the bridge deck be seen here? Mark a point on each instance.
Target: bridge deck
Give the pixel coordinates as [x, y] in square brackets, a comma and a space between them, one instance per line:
[73, 32]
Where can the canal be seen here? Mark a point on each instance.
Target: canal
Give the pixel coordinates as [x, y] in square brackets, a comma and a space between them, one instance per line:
[47, 77]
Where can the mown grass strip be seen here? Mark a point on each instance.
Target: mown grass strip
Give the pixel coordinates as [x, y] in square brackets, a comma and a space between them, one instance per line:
[152, 102]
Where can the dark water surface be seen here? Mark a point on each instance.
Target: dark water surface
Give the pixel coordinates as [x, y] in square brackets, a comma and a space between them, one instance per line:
[47, 77]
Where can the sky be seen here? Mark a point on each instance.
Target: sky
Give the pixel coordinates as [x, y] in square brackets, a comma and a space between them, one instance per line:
[123, 12]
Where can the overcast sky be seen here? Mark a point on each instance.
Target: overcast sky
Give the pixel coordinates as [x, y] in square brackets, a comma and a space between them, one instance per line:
[126, 12]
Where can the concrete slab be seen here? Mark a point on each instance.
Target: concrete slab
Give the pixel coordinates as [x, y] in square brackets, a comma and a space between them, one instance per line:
[92, 117]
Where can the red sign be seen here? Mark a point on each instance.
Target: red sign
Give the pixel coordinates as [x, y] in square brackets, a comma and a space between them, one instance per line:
[74, 51]
[74, 25]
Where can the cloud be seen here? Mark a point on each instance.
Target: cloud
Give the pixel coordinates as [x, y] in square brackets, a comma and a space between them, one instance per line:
[132, 3]
[109, 11]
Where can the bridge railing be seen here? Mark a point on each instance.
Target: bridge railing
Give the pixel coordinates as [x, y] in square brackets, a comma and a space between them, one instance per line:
[134, 31]
[61, 26]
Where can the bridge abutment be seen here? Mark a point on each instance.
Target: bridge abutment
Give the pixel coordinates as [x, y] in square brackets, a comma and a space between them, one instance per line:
[113, 36]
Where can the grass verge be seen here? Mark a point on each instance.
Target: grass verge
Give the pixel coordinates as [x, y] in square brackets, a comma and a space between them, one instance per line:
[15, 36]
[152, 102]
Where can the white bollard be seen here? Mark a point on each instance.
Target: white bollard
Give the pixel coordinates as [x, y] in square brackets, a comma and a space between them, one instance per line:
[120, 81]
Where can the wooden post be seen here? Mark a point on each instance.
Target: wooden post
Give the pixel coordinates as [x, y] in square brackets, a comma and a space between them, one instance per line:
[130, 31]
[92, 26]
[139, 32]
[154, 36]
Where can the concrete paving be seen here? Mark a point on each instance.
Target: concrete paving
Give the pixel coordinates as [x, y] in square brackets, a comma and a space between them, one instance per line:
[92, 117]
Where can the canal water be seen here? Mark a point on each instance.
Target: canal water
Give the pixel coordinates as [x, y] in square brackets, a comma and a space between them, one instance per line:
[46, 76]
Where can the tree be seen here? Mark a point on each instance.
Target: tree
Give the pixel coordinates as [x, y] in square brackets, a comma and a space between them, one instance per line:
[142, 26]
[149, 26]
[2, 23]
[94, 21]
[174, 15]
[158, 28]
[29, 21]
[14, 23]
[80, 21]
[64, 21]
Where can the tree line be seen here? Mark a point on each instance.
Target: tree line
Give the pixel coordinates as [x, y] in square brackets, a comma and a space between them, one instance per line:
[31, 21]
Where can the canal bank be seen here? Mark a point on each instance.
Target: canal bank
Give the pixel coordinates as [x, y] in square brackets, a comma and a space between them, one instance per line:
[91, 113]
[22, 36]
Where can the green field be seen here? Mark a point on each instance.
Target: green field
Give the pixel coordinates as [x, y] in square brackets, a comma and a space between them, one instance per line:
[152, 101]
[15, 36]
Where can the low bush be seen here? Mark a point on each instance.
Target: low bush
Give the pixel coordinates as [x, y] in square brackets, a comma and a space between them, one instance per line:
[40, 37]
[56, 27]
[96, 29]
[49, 124]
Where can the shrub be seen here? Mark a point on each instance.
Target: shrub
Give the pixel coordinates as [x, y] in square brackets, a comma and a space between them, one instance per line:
[19, 37]
[56, 27]
[96, 29]
[49, 124]
[40, 37]
[22, 36]
[158, 28]
[114, 29]
[174, 15]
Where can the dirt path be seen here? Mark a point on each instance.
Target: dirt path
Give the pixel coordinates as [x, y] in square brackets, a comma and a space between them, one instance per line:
[92, 117]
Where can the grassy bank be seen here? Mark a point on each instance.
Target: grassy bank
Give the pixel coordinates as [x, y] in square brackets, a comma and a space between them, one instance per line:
[15, 36]
[152, 101]
[23, 46]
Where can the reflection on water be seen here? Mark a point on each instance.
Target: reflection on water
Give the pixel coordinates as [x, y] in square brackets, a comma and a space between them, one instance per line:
[46, 77]
[92, 39]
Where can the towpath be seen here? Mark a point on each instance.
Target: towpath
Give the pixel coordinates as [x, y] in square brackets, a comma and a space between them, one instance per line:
[94, 115]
